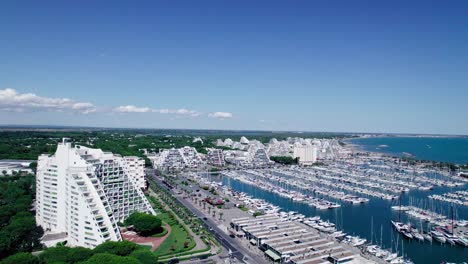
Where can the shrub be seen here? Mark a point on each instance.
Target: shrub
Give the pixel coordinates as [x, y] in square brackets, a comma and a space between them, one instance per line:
[105, 258]
[20, 258]
[78, 254]
[120, 248]
[55, 254]
[62, 254]
[144, 256]
[144, 224]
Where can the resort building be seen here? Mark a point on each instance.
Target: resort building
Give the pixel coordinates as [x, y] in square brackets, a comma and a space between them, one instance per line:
[177, 159]
[82, 193]
[244, 140]
[215, 157]
[136, 166]
[306, 153]
[258, 156]
[10, 167]
[279, 148]
[226, 143]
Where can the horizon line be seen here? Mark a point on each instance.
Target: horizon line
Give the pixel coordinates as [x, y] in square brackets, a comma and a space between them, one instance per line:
[26, 127]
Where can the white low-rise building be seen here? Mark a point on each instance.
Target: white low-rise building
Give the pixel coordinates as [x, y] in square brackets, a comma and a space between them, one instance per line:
[83, 193]
[215, 157]
[306, 153]
[10, 167]
[177, 159]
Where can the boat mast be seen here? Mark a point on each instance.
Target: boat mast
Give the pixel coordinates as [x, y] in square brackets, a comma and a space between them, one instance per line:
[399, 211]
[381, 232]
[452, 218]
[402, 249]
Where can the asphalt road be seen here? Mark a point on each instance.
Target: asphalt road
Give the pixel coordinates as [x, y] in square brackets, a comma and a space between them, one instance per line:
[224, 239]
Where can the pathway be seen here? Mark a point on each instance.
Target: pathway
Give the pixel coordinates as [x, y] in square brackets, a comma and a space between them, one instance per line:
[154, 242]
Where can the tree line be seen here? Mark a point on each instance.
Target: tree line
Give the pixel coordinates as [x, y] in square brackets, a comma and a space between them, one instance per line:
[110, 252]
[18, 230]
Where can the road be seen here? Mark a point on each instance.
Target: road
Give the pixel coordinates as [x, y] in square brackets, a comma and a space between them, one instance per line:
[231, 244]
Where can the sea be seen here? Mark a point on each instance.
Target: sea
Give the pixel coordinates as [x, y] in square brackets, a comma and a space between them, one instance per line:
[444, 149]
[372, 220]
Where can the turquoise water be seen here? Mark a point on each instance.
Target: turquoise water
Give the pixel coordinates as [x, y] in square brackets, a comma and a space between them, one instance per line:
[359, 220]
[446, 149]
[372, 220]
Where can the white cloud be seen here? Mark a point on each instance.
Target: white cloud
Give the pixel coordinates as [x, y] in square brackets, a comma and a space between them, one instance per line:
[221, 115]
[135, 109]
[132, 109]
[181, 111]
[11, 100]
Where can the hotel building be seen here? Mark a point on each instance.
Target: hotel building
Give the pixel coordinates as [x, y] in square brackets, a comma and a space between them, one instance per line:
[82, 193]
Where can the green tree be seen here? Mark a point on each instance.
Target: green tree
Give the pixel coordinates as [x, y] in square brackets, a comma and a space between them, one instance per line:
[22, 233]
[33, 166]
[77, 254]
[55, 254]
[20, 258]
[144, 256]
[6, 211]
[284, 160]
[144, 224]
[120, 248]
[106, 258]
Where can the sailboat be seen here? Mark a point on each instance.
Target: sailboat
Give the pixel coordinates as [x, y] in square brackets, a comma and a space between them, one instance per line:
[438, 236]
[391, 257]
[400, 227]
[451, 238]
[418, 236]
[426, 236]
[399, 260]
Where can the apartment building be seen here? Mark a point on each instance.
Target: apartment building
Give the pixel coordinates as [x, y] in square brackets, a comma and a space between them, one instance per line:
[82, 193]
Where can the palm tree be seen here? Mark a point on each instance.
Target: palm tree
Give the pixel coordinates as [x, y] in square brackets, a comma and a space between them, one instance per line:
[221, 213]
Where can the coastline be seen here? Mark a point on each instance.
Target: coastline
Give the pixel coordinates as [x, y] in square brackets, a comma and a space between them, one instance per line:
[420, 148]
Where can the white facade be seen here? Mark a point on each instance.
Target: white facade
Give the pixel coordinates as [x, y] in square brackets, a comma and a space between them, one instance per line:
[215, 157]
[136, 166]
[10, 167]
[244, 140]
[84, 192]
[256, 155]
[307, 154]
[177, 159]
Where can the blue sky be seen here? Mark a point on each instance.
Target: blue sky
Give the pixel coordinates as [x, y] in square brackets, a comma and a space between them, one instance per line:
[364, 66]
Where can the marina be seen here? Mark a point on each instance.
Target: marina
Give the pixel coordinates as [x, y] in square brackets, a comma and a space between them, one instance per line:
[290, 237]
[288, 188]
[458, 197]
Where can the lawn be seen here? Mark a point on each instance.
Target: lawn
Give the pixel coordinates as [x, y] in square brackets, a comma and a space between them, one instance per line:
[174, 243]
[178, 237]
